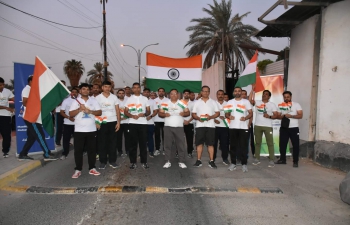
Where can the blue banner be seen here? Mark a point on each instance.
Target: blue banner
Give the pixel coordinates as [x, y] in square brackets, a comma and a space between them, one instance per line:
[22, 72]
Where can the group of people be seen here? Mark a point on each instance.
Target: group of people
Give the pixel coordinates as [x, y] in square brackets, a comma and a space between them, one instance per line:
[101, 121]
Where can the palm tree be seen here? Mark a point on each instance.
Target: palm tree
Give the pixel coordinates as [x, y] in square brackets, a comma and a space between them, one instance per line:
[97, 75]
[221, 29]
[74, 70]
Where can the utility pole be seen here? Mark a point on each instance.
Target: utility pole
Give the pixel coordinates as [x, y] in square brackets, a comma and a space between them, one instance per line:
[105, 63]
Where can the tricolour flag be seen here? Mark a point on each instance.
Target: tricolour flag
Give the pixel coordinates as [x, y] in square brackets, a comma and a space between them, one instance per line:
[139, 108]
[240, 108]
[178, 73]
[164, 106]
[46, 93]
[132, 107]
[227, 122]
[285, 106]
[182, 104]
[261, 108]
[104, 119]
[228, 108]
[98, 120]
[122, 113]
[251, 75]
[204, 117]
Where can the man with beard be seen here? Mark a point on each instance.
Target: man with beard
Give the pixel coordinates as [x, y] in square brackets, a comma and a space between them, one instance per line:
[159, 122]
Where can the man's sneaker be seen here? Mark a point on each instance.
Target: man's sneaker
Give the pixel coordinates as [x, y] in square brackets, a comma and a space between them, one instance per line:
[114, 165]
[76, 174]
[226, 162]
[212, 165]
[167, 165]
[94, 172]
[133, 166]
[232, 167]
[281, 162]
[244, 168]
[295, 164]
[189, 156]
[84, 153]
[25, 157]
[102, 166]
[50, 158]
[182, 165]
[198, 163]
[157, 152]
[6, 155]
[97, 156]
[177, 155]
[63, 157]
[163, 152]
[256, 162]
[151, 155]
[239, 163]
[145, 166]
[271, 164]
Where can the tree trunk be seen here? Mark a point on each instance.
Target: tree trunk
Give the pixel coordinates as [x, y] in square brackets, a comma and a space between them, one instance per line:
[74, 80]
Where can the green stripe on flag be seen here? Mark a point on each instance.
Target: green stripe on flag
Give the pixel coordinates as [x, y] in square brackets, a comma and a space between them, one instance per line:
[154, 84]
[246, 80]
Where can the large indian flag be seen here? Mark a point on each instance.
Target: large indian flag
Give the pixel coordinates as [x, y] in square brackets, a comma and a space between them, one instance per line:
[46, 93]
[169, 73]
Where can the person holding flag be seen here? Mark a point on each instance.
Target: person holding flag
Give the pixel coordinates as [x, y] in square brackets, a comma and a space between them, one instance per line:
[173, 111]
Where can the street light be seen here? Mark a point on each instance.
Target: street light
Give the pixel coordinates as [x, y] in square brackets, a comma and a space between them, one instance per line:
[138, 52]
[143, 69]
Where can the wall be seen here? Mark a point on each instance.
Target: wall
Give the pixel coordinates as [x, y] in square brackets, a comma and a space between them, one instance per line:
[333, 112]
[214, 78]
[274, 68]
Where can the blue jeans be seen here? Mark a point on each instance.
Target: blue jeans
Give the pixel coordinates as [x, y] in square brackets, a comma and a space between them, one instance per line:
[150, 140]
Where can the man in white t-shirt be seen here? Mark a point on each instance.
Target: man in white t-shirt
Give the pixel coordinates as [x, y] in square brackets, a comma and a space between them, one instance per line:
[221, 129]
[159, 122]
[5, 117]
[150, 121]
[127, 92]
[265, 113]
[59, 122]
[137, 109]
[124, 125]
[188, 123]
[96, 90]
[107, 136]
[68, 122]
[205, 110]
[173, 111]
[291, 111]
[239, 111]
[84, 110]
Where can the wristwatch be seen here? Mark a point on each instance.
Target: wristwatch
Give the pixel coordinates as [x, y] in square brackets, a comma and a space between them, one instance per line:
[270, 117]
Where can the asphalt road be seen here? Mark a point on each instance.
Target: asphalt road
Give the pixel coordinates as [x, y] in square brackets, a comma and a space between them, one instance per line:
[310, 196]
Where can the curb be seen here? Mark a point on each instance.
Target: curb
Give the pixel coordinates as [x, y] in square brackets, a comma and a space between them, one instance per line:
[138, 189]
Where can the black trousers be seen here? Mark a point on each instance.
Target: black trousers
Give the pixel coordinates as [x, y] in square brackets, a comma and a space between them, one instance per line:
[158, 128]
[107, 142]
[59, 128]
[293, 135]
[239, 145]
[68, 131]
[5, 131]
[84, 142]
[138, 135]
[124, 129]
[252, 143]
[35, 132]
[189, 132]
[222, 135]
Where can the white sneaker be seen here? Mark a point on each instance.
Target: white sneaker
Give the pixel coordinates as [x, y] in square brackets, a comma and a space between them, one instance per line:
[163, 152]
[157, 152]
[182, 165]
[244, 168]
[63, 157]
[256, 162]
[76, 174]
[232, 167]
[94, 172]
[167, 165]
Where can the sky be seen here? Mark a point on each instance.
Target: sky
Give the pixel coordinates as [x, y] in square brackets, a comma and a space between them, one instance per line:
[132, 22]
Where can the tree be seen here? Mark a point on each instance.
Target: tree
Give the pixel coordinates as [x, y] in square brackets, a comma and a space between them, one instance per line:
[262, 64]
[97, 75]
[210, 33]
[74, 70]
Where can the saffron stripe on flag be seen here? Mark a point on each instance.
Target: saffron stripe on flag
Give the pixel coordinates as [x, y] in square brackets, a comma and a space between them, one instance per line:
[161, 61]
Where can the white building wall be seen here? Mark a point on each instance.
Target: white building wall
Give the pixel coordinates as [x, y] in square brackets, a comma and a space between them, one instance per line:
[300, 70]
[214, 78]
[333, 110]
[274, 68]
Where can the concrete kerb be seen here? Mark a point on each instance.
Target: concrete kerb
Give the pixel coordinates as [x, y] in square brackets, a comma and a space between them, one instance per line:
[139, 189]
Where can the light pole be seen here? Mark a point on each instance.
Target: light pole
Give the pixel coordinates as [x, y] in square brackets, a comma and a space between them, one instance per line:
[105, 63]
[138, 52]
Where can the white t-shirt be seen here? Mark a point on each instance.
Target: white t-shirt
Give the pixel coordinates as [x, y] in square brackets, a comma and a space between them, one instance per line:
[107, 105]
[25, 94]
[174, 109]
[5, 95]
[137, 105]
[192, 102]
[121, 110]
[222, 113]
[290, 108]
[202, 108]
[190, 105]
[158, 103]
[238, 109]
[85, 122]
[152, 106]
[66, 107]
[260, 108]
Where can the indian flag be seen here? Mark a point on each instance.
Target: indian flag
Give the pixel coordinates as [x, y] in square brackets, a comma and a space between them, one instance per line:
[98, 120]
[251, 75]
[228, 108]
[285, 106]
[203, 117]
[182, 104]
[132, 108]
[240, 108]
[104, 119]
[46, 93]
[122, 113]
[261, 108]
[139, 108]
[177, 73]
[227, 122]
[164, 106]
